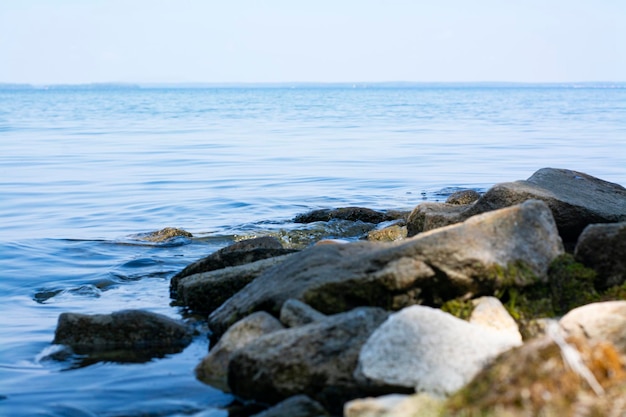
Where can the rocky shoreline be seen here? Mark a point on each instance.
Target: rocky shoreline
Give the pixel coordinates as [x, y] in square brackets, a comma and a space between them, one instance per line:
[509, 303]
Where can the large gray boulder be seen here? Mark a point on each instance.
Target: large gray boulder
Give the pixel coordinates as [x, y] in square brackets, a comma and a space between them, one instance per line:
[239, 253]
[317, 360]
[213, 369]
[126, 329]
[602, 247]
[432, 351]
[576, 200]
[508, 247]
[206, 291]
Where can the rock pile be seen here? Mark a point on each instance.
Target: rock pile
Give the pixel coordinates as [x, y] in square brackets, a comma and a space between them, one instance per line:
[430, 324]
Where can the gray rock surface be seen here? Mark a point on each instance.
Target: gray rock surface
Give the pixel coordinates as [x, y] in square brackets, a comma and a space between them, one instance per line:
[602, 247]
[576, 200]
[317, 360]
[598, 322]
[295, 313]
[296, 406]
[126, 329]
[213, 369]
[239, 253]
[205, 292]
[430, 350]
[512, 246]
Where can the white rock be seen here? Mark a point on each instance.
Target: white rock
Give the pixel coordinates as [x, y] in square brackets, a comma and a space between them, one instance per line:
[429, 350]
[395, 405]
[489, 312]
[598, 322]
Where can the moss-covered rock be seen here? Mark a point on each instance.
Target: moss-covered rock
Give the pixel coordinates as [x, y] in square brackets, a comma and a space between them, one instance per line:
[534, 380]
[571, 284]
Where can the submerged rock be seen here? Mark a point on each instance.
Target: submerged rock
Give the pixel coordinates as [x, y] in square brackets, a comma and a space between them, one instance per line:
[317, 360]
[126, 329]
[508, 247]
[420, 347]
[362, 214]
[576, 200]
[166, 234]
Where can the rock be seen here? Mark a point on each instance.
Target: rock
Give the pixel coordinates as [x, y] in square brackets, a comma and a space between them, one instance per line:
[126, 329]
[602, 247]
[489, 312]
[598, 322]
[576, 200]
[508, 247]
[421, 347]
[295, 313]
[239, 253]
[463, 197]
[296, 406]
[165, 234]
[205, 292]
[428, 216]
[534, 380]
[213, 369]
[388, 234]
[354, 214]
[395, 405]
[317, 360]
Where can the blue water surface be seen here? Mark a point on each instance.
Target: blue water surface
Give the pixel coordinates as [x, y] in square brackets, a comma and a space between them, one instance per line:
[83, 171]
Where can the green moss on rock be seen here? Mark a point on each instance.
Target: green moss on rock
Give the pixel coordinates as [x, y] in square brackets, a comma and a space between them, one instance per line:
[459, 308]
[571, 284]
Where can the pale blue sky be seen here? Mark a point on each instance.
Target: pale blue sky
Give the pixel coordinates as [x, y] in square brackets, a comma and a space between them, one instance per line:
[78, 41]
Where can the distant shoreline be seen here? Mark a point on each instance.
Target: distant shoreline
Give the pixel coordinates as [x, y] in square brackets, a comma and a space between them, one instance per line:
[320, 85]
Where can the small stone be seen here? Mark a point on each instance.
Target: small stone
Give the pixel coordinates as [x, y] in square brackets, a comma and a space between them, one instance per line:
[295, 313]
[463, 197]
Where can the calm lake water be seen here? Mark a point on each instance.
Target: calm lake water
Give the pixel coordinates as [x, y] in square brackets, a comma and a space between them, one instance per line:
[84, 171]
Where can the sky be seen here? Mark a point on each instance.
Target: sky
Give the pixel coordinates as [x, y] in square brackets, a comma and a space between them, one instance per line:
[248, 41]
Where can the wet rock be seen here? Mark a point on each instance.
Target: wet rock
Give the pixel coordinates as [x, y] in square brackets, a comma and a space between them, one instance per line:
[296, 406]
[239, 253]
[317, 360]
[576, 200]
[388, 234]
[205, 292]
[463, 197]
[544, 378]
[362, 214]
[166, 234]
[598, 322]
[395, 405]
[420, 347]
[428, 216]
[295, 313]
[602, 247]
[213, 369]
[508, 247]
[126, 329]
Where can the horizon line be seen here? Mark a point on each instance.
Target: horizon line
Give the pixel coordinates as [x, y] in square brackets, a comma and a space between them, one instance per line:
[153, 84]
